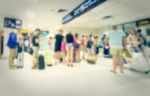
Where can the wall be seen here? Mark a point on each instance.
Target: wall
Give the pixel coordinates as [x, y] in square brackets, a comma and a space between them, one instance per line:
[1, 23]
[6, 35]
[100, 31]
[81, 31]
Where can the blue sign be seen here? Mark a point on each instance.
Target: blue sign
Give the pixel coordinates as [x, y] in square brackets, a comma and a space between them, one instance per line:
[81, 9]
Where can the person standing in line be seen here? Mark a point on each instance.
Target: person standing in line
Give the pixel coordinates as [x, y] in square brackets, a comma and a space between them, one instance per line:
[83, 46]
[35, 45]
[116, 37]
[1, 43]
[70, 47]
[106, 48]
[95, 46]
[12, 45]
[27, 42]
[20, 54]
[51, 43]
[58, 41]
[135, 41]
[89, 45]
[103, 39]
[77, 48]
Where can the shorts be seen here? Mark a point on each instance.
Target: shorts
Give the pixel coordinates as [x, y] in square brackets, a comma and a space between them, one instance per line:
[57, 48]
[117, 54]
[70, 45]
[77, 46]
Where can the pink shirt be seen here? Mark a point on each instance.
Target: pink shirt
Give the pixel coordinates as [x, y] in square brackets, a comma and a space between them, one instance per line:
[63, 46]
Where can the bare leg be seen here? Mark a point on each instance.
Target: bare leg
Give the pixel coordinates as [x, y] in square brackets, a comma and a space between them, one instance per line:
[120, 65]
[71, 56]
[114, 64]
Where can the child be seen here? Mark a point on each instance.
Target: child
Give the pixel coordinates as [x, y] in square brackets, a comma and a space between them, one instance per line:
[20, 53]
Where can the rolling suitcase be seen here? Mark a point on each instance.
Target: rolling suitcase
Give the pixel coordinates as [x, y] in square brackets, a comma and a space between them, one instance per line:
[106, 52]
[49, 58]
[20, 60]
[139, 63]
[41, 62]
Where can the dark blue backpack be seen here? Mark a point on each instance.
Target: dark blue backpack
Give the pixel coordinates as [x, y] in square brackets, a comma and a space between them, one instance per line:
[89, 44]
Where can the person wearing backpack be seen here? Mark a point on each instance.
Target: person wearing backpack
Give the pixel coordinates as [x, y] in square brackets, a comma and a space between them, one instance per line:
[89, 45]
[35, 45]
[12, 45]
[77, 48]
[1, 43]
[69, 47]
[20, 54]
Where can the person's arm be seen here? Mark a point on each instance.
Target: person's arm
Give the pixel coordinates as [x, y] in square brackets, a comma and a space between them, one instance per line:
[129, 40]
[139, 41]
[37, 40]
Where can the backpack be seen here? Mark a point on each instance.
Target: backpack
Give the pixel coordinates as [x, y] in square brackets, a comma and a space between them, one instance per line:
[89, 44]
[19, 48]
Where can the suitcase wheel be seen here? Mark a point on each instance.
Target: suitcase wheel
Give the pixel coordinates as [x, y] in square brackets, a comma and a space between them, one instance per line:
[50, 65]
[146, 72]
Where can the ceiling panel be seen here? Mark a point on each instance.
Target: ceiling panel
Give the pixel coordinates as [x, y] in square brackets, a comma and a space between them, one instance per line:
[37, 12]
[122, 11]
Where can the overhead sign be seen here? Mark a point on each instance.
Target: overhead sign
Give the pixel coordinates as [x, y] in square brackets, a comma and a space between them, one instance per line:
[81, 9]
[143, 22]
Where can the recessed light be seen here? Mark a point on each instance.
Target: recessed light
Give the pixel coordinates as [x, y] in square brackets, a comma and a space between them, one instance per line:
[107, 17]
[61, 10]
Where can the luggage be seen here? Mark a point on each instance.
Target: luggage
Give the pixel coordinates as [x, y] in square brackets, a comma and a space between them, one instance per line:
[106, 51]
[49, 58]
[20, 58]
[41, 62]
[91, 59]
[30, 50]
[139, 63]
[89, 44]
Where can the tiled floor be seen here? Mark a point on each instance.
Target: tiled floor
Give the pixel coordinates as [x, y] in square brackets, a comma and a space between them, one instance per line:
[82, 80]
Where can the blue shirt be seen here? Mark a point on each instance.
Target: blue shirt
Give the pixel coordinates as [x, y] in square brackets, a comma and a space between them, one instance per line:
[116, 38]
[12, 40]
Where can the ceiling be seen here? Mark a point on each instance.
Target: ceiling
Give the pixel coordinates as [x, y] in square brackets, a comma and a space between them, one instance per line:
[122, 11]
[43, 13]
[37, 13]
